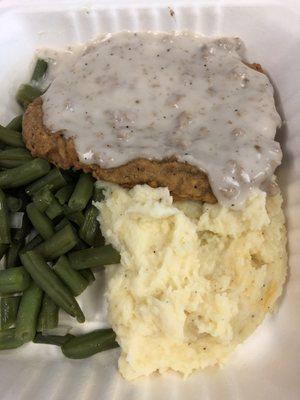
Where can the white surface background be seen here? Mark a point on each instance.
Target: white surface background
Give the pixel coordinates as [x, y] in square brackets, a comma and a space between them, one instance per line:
[267, 365]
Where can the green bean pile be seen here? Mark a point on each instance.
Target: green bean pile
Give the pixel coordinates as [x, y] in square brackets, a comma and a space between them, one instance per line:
[49, 250]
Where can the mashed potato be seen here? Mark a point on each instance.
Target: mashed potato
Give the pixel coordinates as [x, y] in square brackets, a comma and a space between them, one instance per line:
[195, 279]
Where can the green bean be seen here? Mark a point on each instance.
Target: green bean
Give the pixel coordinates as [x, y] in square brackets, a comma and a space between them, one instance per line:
[59, 244]
[90, 227]
[12, 257]
[8, 340]
[80, 245]
[39, 70]
[88, 275]
[13, 280]
[94, 257]
[64, 193]
[82, 193]
[10, 137]
[48, 317]
[7, 164]
[52, 339]
[26, 94]
[28, 312]
[77, 217]
[42, 199]
[89, 344]
[17, 154]
[76, 282]
[5, 236]
[16, 123]
[47, 280]
[52, 181]
[3, 248]
[14, 204]
[11, 158]
[33, 243]
[23, 174]
[98, 194]
[8, 311]
[40, 221]
[99, 239]
[54, 209]
[64, 222]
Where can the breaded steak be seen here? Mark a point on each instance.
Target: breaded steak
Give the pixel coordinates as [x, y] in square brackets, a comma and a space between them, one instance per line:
[183, 180]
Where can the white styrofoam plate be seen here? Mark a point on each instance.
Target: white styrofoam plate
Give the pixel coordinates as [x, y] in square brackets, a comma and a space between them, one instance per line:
[267, 365]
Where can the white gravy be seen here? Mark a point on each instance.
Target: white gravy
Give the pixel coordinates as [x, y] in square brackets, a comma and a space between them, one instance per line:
[158, 95]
